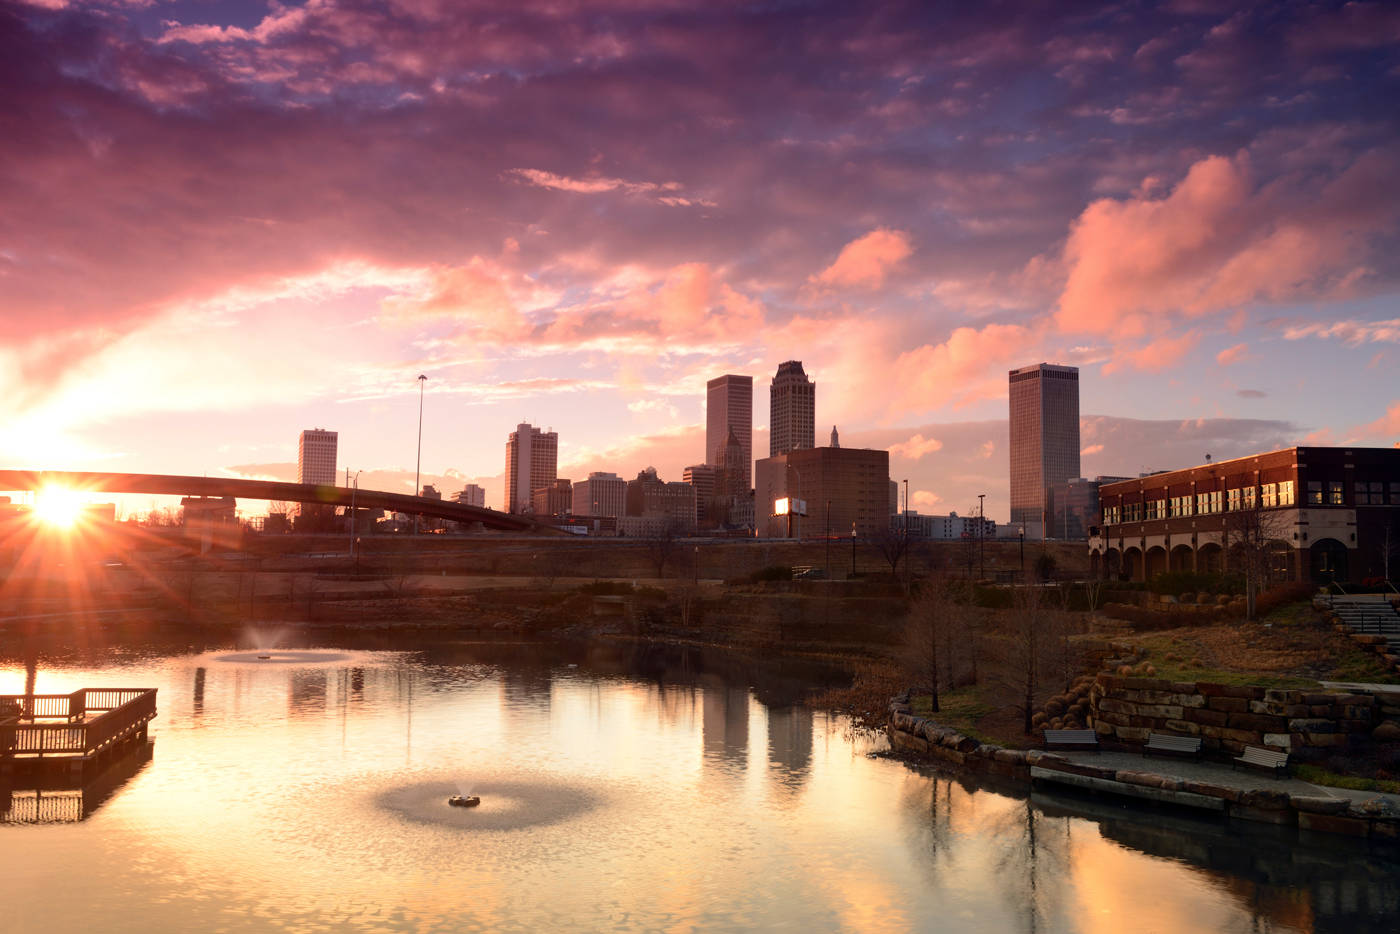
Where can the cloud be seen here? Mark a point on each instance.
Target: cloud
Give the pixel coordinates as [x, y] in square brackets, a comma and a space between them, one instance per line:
[1385, 428]
[866, 261]
[963, 369]
[1155, 356]
[1251, 393]
[1091, 449]
[926, 499]
[1220, 240]
[665, 192]
[915, 448]
[1352, 333]
[1233, 354]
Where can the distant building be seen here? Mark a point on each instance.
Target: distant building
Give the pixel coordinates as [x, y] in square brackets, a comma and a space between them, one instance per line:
[1073, 507]
[532, 459]
[835, 438]
[316, 457]
[1044, 440]
[651, 497]
[472, 495]
[894, 497]
[602, 494]
[729, 409]
[702, 478]
[856, 481]
[792, 410]
[944, 528]
[557, 499]
[1322, 512]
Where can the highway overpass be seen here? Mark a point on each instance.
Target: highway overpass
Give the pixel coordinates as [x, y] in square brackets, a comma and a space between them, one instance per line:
[169, 485]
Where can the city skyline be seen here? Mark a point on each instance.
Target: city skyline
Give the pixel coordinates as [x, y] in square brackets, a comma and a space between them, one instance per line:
[1191, 205]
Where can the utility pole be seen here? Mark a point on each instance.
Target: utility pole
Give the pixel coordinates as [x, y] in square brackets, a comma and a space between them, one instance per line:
[853, 548]
[907, 560]
[828, 539]
[418, 465]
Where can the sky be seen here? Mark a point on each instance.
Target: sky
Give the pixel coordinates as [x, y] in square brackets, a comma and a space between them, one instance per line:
[223, 222]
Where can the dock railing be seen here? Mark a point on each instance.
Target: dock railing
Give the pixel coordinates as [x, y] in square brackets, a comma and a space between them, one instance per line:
[82, 723]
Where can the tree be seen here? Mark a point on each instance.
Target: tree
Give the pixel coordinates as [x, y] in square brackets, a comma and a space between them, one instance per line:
[930, 619]
[1251, 538]
[664, 545]
[1036, 652]
[892, 544]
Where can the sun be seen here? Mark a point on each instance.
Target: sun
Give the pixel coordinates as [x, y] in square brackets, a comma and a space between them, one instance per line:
[58, 506]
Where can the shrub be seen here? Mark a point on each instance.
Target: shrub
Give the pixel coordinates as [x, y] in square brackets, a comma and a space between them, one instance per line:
[773, 572]
[1271, 600]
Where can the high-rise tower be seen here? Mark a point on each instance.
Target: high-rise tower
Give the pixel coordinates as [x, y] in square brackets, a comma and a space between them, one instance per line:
[729, 407]
[1044, 439]
[792, 410]
[532, 463]
[316, 456]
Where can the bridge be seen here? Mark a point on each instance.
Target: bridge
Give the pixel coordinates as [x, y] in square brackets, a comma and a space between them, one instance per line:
[276, 490]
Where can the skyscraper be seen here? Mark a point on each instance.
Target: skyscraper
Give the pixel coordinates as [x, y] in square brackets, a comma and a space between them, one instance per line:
[532, 462]
[316, 456]
[729, 407]
[792, 410]
[1044, 442]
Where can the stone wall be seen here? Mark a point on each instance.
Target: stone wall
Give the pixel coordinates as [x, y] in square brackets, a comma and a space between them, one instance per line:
[1309, 725]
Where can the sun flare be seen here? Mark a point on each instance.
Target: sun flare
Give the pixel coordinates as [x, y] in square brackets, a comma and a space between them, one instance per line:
[58, 506]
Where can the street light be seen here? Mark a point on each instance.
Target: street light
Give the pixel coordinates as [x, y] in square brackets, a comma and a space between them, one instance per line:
[417, 467]
[1021, 533]
[353, 490]
[981, 535]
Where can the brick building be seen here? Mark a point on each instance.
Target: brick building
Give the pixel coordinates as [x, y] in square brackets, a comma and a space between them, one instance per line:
[854, 480]
[1322, 512]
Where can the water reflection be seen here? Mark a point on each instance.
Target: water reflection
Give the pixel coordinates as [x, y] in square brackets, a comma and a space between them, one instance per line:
[624, 787]
[43, 793]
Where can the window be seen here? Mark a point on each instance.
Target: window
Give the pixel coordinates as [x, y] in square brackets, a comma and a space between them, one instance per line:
[1395, 494]
[1269, 494]
[1314, 492]
[1156, 509]
[1181, 505]
[1234, 500]
[1285, 493]
[1249, 498]
[1334, 493]
[1111, 515]
[1207, 503]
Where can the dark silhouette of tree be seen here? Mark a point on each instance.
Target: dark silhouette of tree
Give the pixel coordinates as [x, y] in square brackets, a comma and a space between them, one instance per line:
[664, 545]
[1252, 537]
[892, 544]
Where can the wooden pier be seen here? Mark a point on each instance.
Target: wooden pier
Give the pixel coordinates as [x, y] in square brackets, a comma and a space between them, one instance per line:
[86, 728]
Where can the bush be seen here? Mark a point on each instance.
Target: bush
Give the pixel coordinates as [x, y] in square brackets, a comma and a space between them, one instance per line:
[606, 589]
[773, 572]
[1271, 600]
[1175, 582]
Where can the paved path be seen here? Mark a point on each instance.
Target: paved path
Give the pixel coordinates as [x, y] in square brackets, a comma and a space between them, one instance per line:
[1218, 774]
[1360, 686]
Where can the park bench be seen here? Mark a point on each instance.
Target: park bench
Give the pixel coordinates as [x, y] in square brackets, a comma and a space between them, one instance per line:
[1071, 739]
[1272, 760]
[1170, 745]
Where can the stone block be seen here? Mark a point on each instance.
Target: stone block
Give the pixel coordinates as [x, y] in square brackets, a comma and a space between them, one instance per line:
[1324, 739]
[1188, 700]
[1145, 684]
[1267, 798]
[1012, 756]
[1312, 699]
[1334, 823]
[1228, 704]
[1208, 717]
[1281, 741]
[1230, 690]
[1258, 706]
[1282, 696]
[1183, 727]
[1183, 687]
[1315, 804]
[1251, 737]
[1320, 710]
[1211, 790]
[1296, 710]
[1312, 725]
[1355, 700]
[1132, 734]
[1115, 706]
[1163, 711]
[1103, 728]
[1117, 719]
[1257, 723]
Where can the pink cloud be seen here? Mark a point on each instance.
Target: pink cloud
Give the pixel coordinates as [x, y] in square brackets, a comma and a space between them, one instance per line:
[926, 499]
[965, 368]
[1091, 449]
[1154, 356]
[1352, 333]
[915, 448]
[1386, 428]
[866, 261]
[1220, 240]
[1232, 354]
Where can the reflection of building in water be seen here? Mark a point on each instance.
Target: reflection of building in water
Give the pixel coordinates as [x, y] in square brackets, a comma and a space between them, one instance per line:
[790, 741]
[199, 692]
[725, 722]
[308, 691]
[357, 684]
[524, 688]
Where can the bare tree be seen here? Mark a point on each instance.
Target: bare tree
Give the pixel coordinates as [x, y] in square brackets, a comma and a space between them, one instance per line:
[892, 544]
[1250, 536]
[1036, 653]
[664, 545]
[930, 619]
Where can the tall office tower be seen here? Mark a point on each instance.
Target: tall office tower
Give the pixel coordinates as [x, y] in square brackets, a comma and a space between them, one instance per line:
[532, 462]
[792, 410]
[729, 407]
[1044, 442]
[602, 494]
[316, 456]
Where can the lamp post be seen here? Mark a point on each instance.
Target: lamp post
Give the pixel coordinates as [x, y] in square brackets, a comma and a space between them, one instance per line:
[853, 548]
[981, 535]
[418, 465]
[792, 501]
[353, 490]
[828, 539]
[1021, 533]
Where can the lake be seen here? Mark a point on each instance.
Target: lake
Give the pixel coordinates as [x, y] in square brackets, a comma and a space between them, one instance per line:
[626, 788]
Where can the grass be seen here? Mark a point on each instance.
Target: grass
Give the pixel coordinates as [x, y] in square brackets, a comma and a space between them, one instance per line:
[1320, 776]
[963, 710]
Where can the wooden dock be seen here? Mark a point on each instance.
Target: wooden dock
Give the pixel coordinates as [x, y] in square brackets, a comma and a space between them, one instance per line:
[86, 728]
